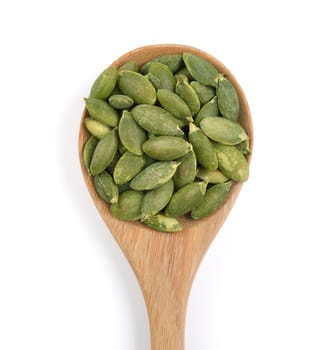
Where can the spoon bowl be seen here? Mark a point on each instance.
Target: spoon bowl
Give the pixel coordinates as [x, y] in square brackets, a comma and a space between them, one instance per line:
[165, 263]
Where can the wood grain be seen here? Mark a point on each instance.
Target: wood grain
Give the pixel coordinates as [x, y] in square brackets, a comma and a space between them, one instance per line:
[165, 263]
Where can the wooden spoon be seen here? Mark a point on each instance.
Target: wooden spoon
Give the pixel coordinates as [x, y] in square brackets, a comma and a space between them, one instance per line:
[165, 263]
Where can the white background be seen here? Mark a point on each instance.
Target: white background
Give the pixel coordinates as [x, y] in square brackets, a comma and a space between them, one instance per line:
[267, 280]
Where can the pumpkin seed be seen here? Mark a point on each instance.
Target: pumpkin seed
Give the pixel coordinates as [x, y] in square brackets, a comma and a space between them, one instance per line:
[186, 171]
[244, 146]
[213, 199]
[210, 109]
[174, 104]
[120, 101]
[129, 206]
[163, 223]
[183, 73]
[88, 151]
[106, 187]
[186, 199]
[130, 65]
[200, 69]
[166, 147]
[96, 128]
[105, 150]
[188, 95]
[156, 120]
[155, 200]
[211, 176]
[203, 148]
[131, 134]
[136, 86]
[223, 130]
[153, 79]
[111, 166]
[104, 84]
[154, 175]
[227, 99]
[102, 111]
[173, 62]
[232, 162]
[127, 167]
[161, 76]
[204, 92]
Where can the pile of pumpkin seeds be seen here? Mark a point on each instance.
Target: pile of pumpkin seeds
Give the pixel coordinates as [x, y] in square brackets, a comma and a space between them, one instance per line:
[165, 140]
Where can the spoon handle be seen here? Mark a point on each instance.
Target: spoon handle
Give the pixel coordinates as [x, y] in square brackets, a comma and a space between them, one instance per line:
[166, 310]
[164, 265]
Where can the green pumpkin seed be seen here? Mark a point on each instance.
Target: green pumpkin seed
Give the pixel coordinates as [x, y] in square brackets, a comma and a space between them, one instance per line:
[145, 67]
[102, 111]
[211, 176]
[213, 199]
[129, 206]
[210, 109]
[181, 77]
[88, 151]
[96, 128]
[130, 65]
[200, 69]
[156, 120]
[106, 187]
[161, 76]
[153, 79]
[223, 130]
[166, 147]
[163, 223]
[232, 162]
[136, 86]
[104, 152]
[104, 84]
[186, 171]
[183, 73]
[127, 167]
[227, 98]
[186, 199]
[155, 200]
[174, 104]
[154, 175]
[188, 95]
[131, 134]
[120, 101]
[244, 147]
[203, 148]
[111, 166]
[204, 92]
[173, 62]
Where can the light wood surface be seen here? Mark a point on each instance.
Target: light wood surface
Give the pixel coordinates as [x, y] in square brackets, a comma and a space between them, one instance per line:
[165, 263]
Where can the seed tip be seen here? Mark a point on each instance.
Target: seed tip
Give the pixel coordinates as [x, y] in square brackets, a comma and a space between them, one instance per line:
[193, 128]
[114, 200]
